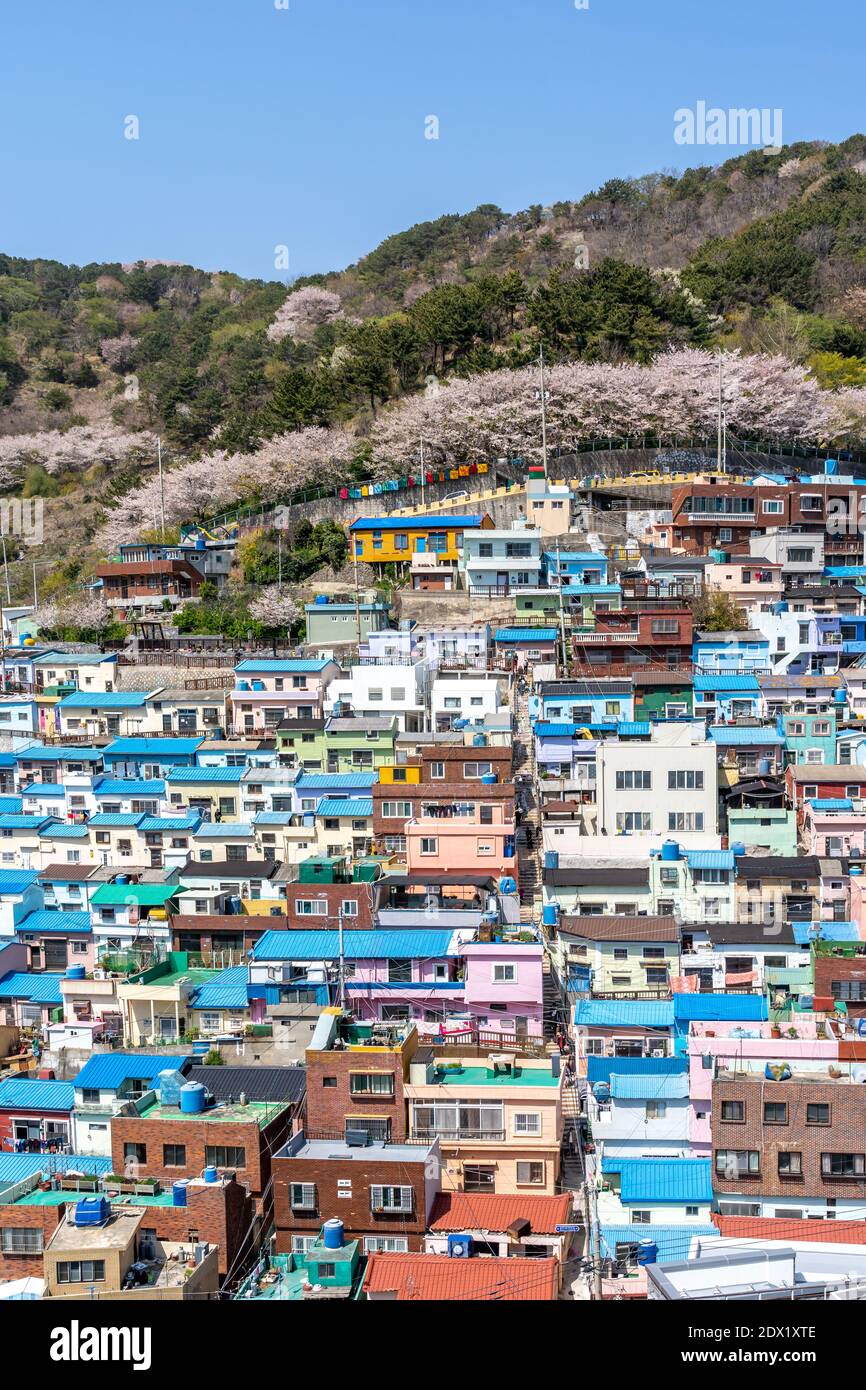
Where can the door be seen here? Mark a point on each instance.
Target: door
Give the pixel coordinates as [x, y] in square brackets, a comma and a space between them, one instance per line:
[56, 953]
[521, 1027]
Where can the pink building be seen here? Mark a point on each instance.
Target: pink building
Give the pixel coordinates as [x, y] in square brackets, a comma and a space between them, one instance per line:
[832, 829]
[717, 1048]
[468, 837]
[857, 886]
[750, 583]
[267, 692]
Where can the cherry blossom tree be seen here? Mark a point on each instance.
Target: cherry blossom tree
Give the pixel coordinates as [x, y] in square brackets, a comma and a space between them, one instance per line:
[75, 614]
[303, 312]
[118, 353]
[275, 607]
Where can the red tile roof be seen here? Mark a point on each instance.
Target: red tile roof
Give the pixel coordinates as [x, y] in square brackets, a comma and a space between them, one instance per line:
[472, 1211]
[775, 1228]
[439, 1278]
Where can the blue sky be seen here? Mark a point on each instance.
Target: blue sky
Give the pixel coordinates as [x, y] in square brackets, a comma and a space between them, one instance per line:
[304, 127]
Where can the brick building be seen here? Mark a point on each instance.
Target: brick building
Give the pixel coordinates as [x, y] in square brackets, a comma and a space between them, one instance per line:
[147, 583]
[658, 633]
[801, 1140]
[355, 1078]
[383, 1193]
[840, 974]
[353, 899]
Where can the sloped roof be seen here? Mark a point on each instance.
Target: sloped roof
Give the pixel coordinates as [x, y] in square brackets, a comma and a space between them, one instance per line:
[440, 1279]
[634, 1086]
[661, 1179]
[18, 1094]
[429, 943]
[227, 990]
[714, 1008]
[50, 920]
[479, 1211]
[39, 989]
[624, 1013]
[107, 1071]
[257, 1083]
[621, 928]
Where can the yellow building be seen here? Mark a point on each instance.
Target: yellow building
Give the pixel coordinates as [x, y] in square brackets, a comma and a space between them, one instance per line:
[93, 1262]
[394, 540]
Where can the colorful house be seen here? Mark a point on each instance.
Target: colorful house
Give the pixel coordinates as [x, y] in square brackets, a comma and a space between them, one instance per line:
[391, 540]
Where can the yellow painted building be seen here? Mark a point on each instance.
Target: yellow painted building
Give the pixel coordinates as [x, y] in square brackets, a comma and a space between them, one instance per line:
[394, 540]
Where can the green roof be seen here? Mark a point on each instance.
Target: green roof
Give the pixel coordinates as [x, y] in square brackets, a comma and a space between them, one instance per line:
[145, 894]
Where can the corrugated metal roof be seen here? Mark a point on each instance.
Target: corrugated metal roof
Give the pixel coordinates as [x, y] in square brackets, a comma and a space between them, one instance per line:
[119, 786]
[624, 1013]
[277, 667]
[60, 831]
[525, 634]
[145, 894]
[152, 747]
[333, 806]
[545, 728]
[804, 932]
[334, 781]
[23, 822]
[674, 1242]
[425, 942]
[228, 990]
[603, 1068]
[273, 818]
[445, 521]
[440, 1279]
[633, 1086]
[730, 735]
[482, 1211]
[715, 1008]
[48, 919]
[107, 1071]
[16, 1094]
[830, 803]
[116, 820]
[39, 789]
[661, 1180]
[224, 830]
[16, 1167]
[179, 776]
[731, 681]
[633, 728]
[710, 858]
[257, 1083]
[11, 805]
[191, 821]
[15, 881]
[116, 699]
[39, 989]
[38, 753]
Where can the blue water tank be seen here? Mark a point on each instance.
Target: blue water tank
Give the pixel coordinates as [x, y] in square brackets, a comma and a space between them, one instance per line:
[764, 767]
[75, 972]
[178, 1193]
[258, 685]
[507, 885]
[551, 859]
[192, 1098]
[840, 696]
[670, 850]
[479, 741]
[738, 848]
[200, 1047]
[459, 1247]
[210, 1174]
[647, 1252]
[549, 914]
[92, 1211]
[508, 847]
[320, 600]
[333, 1234]
[200, 543]
[855, 871]
[235, 905]
[243, 685]
[489, 779]
[121, 878]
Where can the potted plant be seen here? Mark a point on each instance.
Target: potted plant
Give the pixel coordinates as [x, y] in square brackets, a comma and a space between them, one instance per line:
[775, 1030]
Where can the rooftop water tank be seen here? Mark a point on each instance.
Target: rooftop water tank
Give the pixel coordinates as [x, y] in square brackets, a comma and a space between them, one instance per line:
[489, 778]
[549, 914]
[459, 1247]
[200, 543]
[192, 1098]
[333, 1234]
[764, 766]
[479, 741]
[178, 1193]
[738, 848]
[121, 878]
[507, 885]
[320, 599]
[75, 972]
[210, 1174]
[258, 685]
[855, 871]
[92, 1211]
[551, 859]
[670, 850]
[647, 1252]
[243, 685]
[840, 696]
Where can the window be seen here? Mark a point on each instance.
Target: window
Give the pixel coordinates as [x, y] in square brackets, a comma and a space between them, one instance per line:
[135, 1153]
[22, 1240]
[371, 1083]
[479, 1178]
[527, 1122]
[225, 1156]
[670, 876]
[174, 1155]
[302, 1196]
[311, 907]
[80, 1271]
[692, 1211]
[504, 974]
[472, 771]
[349, 907]
[842, 1166]
[685, 820]
[817, 1114]
[630, 822]
[388, 1245]
[656, 1109]
[392, 1199]
[396, 810]
[429, 844]
[790, 1165]
[437, 771]
[685, 781]
[530, 1174]
[641, 1217]
[737, 1163]
[634, 781]
[329, 1081]
[775, 1112]
[773, 506]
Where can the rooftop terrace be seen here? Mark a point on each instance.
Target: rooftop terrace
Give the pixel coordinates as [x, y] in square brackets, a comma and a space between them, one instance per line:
[254, 1112]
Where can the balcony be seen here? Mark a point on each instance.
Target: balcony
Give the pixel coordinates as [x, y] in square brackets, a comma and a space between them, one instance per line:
[457, 1136]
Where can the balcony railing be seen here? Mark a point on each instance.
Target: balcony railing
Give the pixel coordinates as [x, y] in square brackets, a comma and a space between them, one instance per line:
[491, 1136]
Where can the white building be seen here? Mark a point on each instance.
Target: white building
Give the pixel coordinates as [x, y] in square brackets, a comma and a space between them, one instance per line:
[401, 690]
[502, 560]
[471, 695]
[664, 786]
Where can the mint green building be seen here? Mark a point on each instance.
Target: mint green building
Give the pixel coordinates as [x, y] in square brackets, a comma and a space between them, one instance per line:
[772, 827]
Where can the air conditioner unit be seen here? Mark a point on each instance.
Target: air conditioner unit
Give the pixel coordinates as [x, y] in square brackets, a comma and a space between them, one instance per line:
[357, 1138]
[657, 1052]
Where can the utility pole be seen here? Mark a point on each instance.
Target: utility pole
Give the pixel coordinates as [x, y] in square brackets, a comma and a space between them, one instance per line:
[543, 411]
[561, 615]
[279, 558]
[161, 489]
[719, 452]
[35, 589]
[423, 478]
[596, 1241]
[357, 596]
[6, 573]
[341, 995]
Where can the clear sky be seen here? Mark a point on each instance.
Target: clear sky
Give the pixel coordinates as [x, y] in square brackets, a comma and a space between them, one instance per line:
[302, 122]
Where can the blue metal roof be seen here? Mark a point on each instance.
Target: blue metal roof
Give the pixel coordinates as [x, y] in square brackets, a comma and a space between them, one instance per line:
[830, 803]
[116, 820]
[62, 831]
[100, 699]
[273, 818]
[633, 728]
[335, 806]
[16, 880]
[603, 1068]
[107, 1071]
[443, 522]
[16, 1167]
[725, 735]
[624, 1013]
[23, 822]
[177, 776]
[804, 932]
[546, 728]
[228, 990]
[152, 747]
[226, 830]
[661, 1179]
[16, 1094]
[710, 858]
[426, 942]
[731, 681]
[52, 920]
[716, 1008]
[39, 989]
[119, 786]
[276, 668]
[525, 634]
[845, 571]
[673, 1242]
[11, 805]
[634, 1086]
[38, 753]
[334, 781]
[171, 823]
[40, 789]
